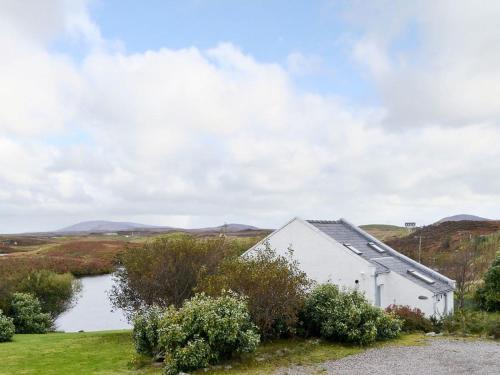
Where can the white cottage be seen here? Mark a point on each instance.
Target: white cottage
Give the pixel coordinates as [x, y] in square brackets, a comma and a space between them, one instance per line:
[341, 253]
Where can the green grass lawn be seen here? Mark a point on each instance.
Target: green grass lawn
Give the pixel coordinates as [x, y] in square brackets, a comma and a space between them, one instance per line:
[112, 352]
[67, 353]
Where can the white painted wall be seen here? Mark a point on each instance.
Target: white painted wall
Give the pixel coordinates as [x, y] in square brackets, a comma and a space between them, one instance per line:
[402, 291]
[322, 258]
[326, 260]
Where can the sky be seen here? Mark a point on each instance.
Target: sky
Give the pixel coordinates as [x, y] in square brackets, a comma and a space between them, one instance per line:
[200, 112]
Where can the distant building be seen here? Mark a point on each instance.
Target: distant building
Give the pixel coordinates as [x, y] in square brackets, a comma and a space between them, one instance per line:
[341, 253]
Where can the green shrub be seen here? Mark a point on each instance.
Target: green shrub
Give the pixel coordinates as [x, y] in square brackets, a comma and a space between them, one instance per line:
[470, 322]
[494, 328]
[388, 325]
[437, 323]
[488, 296]
[467, 322]
[275, 286]
[7, 328]
[56, 292]
[346, 317]
[206, 330]
[145, 333]
[413, 318]
[28, 316]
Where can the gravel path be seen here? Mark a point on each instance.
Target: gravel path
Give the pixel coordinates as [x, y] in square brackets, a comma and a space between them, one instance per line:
[439, 356]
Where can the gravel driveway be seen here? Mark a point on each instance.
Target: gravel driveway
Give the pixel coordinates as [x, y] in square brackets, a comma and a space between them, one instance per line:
[439, 356]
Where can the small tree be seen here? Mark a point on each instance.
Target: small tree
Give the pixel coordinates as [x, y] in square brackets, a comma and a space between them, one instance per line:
[465, 265]
[488, 296]
[275, 286]
[28, 316]
[165, 272]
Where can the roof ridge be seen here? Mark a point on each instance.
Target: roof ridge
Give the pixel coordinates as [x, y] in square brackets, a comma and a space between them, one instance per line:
[323, 221]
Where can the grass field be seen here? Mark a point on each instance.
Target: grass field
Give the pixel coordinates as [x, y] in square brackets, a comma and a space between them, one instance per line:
[112, 353]
[384, 231]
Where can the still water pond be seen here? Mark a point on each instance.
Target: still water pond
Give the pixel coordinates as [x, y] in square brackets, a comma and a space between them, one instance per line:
[93, 310]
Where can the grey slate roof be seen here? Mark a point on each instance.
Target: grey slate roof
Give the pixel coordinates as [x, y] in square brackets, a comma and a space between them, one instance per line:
[390, 260]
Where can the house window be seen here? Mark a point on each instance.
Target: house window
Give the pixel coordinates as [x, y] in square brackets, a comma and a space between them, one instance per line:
[376, 247]
[353, 249]
[421, 276]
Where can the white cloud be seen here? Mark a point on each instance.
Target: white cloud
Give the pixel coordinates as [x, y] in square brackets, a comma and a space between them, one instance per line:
[434, 62]
[41, 21]
[198, 137]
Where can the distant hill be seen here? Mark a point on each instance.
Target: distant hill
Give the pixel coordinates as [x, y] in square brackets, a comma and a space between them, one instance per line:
[228, 228]
[434, 244]
[462, 217]
[441, 237]
[104, 226]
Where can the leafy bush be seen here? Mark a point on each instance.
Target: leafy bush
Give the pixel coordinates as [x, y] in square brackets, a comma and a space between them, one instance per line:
[206, 330]
[145, 333]
[388, 325]
[346, 316]
[275, 286]
[28, 316]
[56, 292]
[488, 296]
[494, 328]
[7, 328]
[413, 318]
[467, 322]
[472, 322]
[165, 271]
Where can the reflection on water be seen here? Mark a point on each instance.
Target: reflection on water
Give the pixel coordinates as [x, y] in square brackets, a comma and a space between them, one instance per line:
[92, 311]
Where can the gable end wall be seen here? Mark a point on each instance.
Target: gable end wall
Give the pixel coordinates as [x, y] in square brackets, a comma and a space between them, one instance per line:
[322, 258]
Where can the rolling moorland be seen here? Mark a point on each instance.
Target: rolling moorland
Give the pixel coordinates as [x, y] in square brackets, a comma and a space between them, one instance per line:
[87, 250]
[91, 248]
[438, 246]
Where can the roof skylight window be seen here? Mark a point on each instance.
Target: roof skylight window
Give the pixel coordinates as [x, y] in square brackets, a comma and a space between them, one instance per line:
[353, 249]
[421, 276]
[374, 246]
